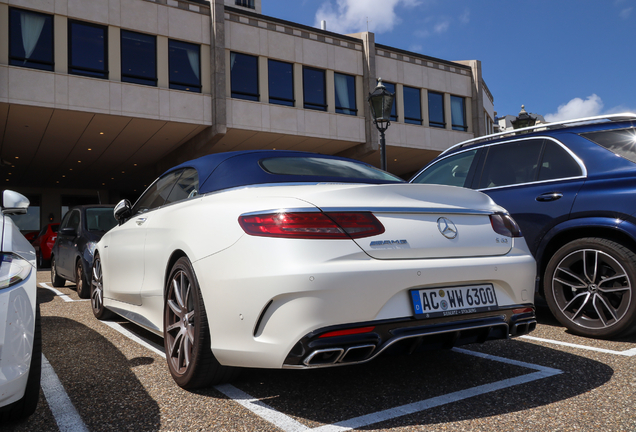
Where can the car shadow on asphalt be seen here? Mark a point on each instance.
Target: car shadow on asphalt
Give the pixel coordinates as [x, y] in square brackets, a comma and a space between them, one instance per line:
[96, 376]
[332, 395]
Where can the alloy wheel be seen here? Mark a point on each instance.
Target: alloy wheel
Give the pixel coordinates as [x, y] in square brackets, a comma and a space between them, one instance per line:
[97, 291]
[591, 289]
[180, 319]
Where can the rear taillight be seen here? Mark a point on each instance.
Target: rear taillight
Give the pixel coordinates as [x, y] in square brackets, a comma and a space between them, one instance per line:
[312, 225]
[51, 240]
[505, 225]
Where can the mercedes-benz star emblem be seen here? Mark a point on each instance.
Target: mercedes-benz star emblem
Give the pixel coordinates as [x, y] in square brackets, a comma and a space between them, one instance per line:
[447, 228]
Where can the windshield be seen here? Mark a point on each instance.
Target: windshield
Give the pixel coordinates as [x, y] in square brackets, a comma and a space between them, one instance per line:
[100, 219]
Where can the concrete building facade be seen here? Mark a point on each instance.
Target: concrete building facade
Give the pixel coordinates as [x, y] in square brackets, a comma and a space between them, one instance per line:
[97, 97]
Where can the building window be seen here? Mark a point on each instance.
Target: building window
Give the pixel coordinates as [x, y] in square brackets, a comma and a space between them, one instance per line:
[436, 110]
[244, 76]
[458, 113]
[412, 105]
[245, 3]
[314, 89]
[345, 86]
[185, 66]
[88, 49]
[30, 39]
[138, 58]
[390, 87]
[281, 82]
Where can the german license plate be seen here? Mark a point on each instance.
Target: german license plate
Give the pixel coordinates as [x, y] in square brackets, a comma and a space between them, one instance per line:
[444, 302]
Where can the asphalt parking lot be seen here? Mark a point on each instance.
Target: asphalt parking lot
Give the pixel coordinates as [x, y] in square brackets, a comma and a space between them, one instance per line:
[112, 376]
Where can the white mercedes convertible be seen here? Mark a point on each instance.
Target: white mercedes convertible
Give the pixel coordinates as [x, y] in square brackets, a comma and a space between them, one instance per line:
[281, 259]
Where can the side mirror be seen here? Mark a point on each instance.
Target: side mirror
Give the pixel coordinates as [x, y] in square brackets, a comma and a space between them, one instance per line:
[122, 211]
[70, 231]
[14, 203]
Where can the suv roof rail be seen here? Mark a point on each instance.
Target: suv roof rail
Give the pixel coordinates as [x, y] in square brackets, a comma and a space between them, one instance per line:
[548, 126]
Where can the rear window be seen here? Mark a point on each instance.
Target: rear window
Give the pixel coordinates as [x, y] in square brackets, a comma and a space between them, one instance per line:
[323, 167]
[621, 141]
[55, 228]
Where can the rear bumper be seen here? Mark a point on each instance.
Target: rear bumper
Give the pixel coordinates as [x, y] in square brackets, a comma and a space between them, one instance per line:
[406, 336]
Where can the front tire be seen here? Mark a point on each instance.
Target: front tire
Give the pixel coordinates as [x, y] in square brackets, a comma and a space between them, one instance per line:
[97, 292]
[590, 287]
[56, 280]
[186, 333]
[83, 287]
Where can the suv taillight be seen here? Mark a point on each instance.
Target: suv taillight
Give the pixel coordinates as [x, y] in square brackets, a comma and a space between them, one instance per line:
[312, 225]
[505, 225]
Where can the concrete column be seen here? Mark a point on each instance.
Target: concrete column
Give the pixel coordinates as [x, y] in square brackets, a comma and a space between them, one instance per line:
[369, 81]
[263, 79]
[60, 48]
[114, 53]
[163, 68]
[399, 100]
[4, 34]
[298, 86]
[448, 118]
[331, 91]
[424, 96]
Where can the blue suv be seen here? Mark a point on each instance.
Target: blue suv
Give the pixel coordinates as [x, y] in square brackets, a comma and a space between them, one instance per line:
[571, 187]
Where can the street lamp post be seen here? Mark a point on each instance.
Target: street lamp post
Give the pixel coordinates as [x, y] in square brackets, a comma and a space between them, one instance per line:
[381, 103]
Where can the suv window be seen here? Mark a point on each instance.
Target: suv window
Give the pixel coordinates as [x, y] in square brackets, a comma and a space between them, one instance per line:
[511, 163]
[73, 220]
[557, 163]
[622, 141]
[449, 171]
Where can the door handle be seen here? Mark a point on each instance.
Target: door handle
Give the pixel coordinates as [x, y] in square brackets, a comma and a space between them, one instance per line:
[550, 196]
[140, 221]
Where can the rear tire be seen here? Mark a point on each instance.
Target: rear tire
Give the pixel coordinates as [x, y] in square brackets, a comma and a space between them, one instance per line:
[97, 292]
[56, 280]
[590, 287]
[82, 286]
[29, 402]
[186, 333]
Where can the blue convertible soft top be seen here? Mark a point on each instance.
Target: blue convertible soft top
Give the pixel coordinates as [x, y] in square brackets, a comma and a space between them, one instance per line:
[241, 168]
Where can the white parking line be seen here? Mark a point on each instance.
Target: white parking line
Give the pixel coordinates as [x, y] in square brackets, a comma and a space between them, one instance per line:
[628, 353]
[65, 414]
[60, 294]
[288, 424]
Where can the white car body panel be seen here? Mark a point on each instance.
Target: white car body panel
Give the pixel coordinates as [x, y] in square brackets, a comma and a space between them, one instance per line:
[17, 319]
[310, 283]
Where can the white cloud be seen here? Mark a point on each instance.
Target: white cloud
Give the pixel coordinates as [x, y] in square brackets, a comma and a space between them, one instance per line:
[577, 108]
[465, 17]
[352, 16]
[441, 26]
[625, 13]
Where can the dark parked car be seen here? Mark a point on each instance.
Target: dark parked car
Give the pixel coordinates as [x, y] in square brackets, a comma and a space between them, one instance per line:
[72, 256]
[43, 243]
[571, 186]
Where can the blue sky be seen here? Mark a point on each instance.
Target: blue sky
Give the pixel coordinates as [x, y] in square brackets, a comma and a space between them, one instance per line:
[560, 58]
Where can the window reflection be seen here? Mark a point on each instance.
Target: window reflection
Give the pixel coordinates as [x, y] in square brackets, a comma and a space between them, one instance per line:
[88, 49]
[185, 66]
[280, 82]
[31, 39]
[244, 76]
[138, 58]
[314, 89]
